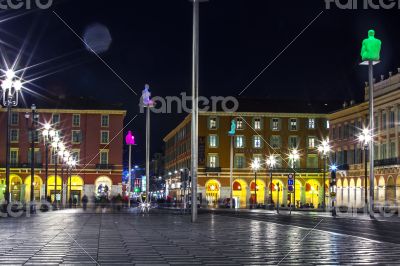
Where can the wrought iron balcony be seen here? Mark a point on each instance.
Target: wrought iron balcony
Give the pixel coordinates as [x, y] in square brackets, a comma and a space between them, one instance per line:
[297, 170]
[213, 169]
[343, 167]
[387, 162]
[24, 165]
[105, 167]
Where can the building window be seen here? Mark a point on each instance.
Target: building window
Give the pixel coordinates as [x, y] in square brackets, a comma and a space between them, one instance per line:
[103, 157]
[257, 123]
[239, 141]
[392, 149]
[257, 142]
[14, 156]
[213, 160]
[384, 123]
[275, 124]
[105, 120]
[311, 142]
[104, 138]
[76, 120]
[340, 132]
[213, 141]
[35, 136]
[14, 135]
[311, 123]
[55, 119]
[376, 122]
[239, 124]
[327, 125]
[14, 119]
[258, 157]
[293, 124]
[383, 151]
[334, 133]
[276, 142]
[240, 161]
[76, 136]
[391, 119]
[76, 155]
[212, 123]
[293, 142]
[312, 161]
[38, 156]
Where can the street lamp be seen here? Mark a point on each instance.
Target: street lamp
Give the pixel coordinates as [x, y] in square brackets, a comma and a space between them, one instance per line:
[365, 138]
[255, 166]
[48, 135]
[324, 149]
[294, 156]
[57, 146]
[71, 163]
[10, 88]
[271, 163]
[32, 131]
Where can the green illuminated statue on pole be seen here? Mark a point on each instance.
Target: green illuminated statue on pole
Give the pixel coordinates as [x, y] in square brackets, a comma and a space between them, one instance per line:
[371, 48]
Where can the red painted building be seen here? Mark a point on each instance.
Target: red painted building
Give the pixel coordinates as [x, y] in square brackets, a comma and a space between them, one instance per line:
[92, 136]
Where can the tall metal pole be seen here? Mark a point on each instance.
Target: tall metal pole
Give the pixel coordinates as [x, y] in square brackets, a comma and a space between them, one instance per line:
[55, 178]
[47, 167]
[147, 153]
[128, 187]
[323, 200]
[8, 151]
[195, 95]
[371, 145]
[365, 179]
[255, 188]
[231, 172]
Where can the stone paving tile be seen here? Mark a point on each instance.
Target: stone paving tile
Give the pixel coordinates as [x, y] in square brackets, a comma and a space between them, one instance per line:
[76, 238]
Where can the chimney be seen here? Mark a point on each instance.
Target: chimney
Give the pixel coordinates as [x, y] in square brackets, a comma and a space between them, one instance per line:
[390, 74]
[398, 70]
[382, 77]
[352, 102]
[366, 84]
[345, 104]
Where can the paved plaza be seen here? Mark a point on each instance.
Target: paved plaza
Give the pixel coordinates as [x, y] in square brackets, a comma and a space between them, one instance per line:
[74, 237]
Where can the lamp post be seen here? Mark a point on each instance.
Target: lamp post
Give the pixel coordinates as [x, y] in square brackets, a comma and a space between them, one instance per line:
[293, 157]
[71, 163]
[365, 138]
[231, 133]
[255, 166]
[324, 149]
[32, 132]
[148, 103]
[271, 163]
[10, 88]
[48, 135]
[66, 156]
[57, 146]
[277, 200]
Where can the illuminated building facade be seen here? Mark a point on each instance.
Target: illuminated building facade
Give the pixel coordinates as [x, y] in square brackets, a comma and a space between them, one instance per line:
[90, 135]
[258, 134]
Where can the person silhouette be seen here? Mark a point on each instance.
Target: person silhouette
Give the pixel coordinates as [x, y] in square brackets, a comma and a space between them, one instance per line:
[371, 47]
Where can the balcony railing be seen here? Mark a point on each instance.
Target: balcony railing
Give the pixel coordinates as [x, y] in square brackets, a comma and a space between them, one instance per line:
[213, 169]
[23, 165]
[105, 167]
[343, 167]
[297, 170]
[387, 162]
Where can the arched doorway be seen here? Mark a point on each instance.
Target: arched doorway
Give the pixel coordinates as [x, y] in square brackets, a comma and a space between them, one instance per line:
[239, 192]
[213, 188]
[51, 189]
[339, 194]
[381, 191]
[2, 188]
[275, 192]
[103, 186]
[345, 192]
[75, 189]
[390, 191]
[260, 189]
[352, 192]
[312, 193]
[16, 188]
[37, 184]
[359, 193]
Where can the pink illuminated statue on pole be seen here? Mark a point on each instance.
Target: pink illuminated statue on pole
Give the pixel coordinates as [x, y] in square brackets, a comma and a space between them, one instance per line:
[130, 141]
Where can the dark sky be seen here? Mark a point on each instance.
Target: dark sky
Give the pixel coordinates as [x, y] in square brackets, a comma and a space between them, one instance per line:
[151, 43]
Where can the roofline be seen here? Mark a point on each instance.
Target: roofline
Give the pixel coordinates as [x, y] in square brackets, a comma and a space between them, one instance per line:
[69, 111]
[185, 121]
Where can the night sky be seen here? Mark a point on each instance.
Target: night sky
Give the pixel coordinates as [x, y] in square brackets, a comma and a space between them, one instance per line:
[152, 39]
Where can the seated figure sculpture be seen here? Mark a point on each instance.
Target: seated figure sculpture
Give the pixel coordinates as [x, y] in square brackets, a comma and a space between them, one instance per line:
[233, 128]
[371, 48]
